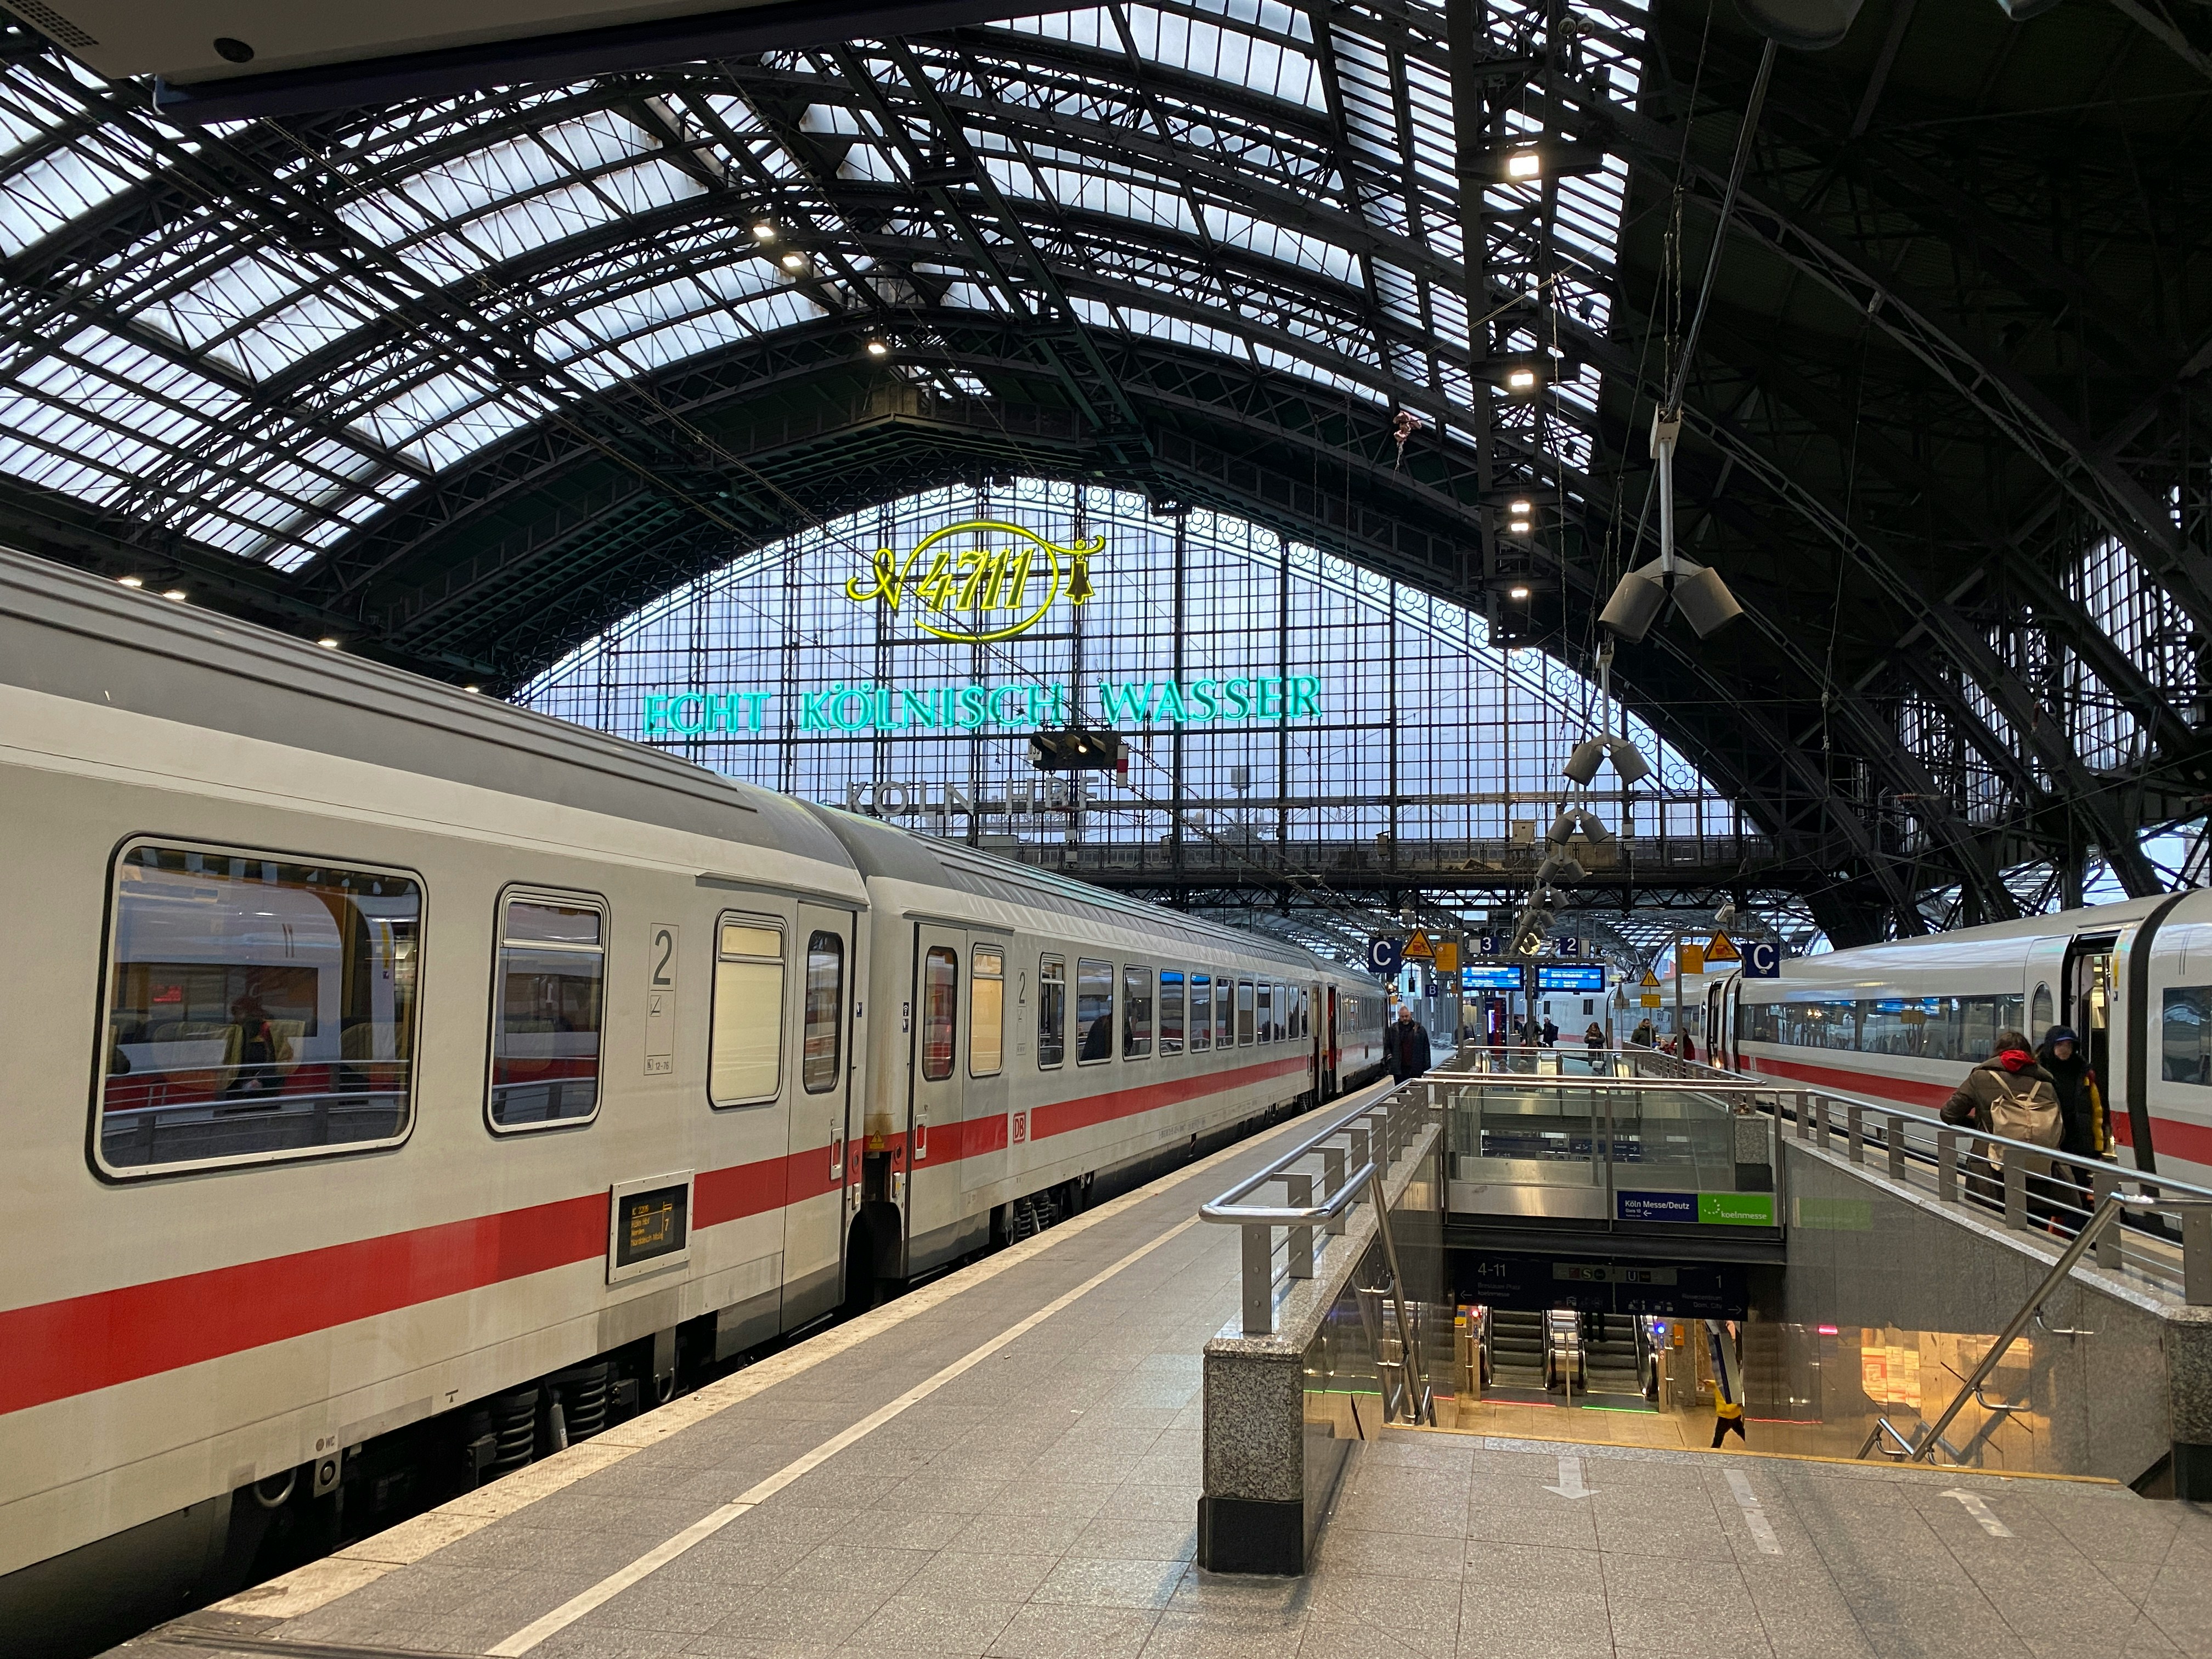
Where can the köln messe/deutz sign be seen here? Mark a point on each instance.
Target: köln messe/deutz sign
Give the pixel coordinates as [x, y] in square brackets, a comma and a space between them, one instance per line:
[1024, 706]
[972, 595]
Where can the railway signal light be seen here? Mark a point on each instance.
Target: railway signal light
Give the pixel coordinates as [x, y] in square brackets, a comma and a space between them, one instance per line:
[1079, 749]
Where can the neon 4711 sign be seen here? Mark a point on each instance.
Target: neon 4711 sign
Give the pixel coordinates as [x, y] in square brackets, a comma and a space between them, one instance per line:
[978, 592]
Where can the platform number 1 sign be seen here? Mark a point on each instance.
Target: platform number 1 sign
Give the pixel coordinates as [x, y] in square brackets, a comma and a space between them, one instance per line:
[662, 949]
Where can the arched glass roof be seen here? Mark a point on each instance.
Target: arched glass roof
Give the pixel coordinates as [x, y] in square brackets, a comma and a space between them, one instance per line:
[265, 336]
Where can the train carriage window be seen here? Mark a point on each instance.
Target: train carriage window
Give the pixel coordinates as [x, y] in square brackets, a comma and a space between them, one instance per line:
[1224, 1011]
[1305, 1013]
[1201, 1013]
[2041, 1016]
[940, 999]
[823, 1047]
[2186, 1036]
[1281, 1028]
[1052, 1012]
[1263, 1014]
[547, 1012]
[256, 1008]
[1094, 1011]
[1171, 1011]
[1243, 1013]
[1136, 1013]
[745, 1041]
[987, 1010]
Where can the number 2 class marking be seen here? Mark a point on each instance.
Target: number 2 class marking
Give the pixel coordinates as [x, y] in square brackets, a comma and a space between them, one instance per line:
[664, 940]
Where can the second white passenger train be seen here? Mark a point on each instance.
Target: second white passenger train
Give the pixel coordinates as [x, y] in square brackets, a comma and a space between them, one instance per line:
[399, 1084]
[1904, 1021]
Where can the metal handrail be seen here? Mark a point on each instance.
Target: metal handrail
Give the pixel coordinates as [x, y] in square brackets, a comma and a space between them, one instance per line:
[1375, 1135]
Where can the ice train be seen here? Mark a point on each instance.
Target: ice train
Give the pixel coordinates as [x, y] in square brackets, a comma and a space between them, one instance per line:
[1904, 1020]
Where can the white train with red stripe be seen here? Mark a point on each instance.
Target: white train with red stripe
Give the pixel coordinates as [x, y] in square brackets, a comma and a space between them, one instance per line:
[400, 1084]
[1904, 1021]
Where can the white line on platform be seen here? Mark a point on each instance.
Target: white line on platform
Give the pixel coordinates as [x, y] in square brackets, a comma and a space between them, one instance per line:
[1976, 1506]
[1754, 1515]
[699, 1531]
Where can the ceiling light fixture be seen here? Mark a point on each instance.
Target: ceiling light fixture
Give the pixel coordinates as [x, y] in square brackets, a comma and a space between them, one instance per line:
[1522, 379]
[1524, 164]
[1519, 510]
[472, 688]
[328, 642]
[176, 593]
[763, 231]
[794, 261]
[1519, 526]
[132, 581]
[878, 349]
[1517, 593]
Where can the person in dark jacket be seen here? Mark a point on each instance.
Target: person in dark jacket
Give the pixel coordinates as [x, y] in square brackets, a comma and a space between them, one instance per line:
[1551, 1034]
[1405, 1046]
[2080, 1102]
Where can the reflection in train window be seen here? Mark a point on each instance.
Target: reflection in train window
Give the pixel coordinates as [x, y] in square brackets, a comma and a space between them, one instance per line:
[744, 1042]
[823, 1045]
[1052, 1012]
[1136, 1013]
[940, 998]
[1201, 1013]
[2185, 1036]
[1305, 1013]
[2041, 1016]
[1224, 1011]
[256, 1008]
[547, 1011]
[1170, 1011]
[1281, 1028]
[1959, 1028]
[987, 1010]
[1243, 1013]
[1264, 1013]
[1094, 1011]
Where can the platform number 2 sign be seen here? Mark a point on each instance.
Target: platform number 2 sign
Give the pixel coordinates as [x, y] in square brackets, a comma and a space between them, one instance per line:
[662, 949]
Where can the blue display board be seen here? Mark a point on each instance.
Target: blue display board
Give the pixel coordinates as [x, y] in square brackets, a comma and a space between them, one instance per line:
[1494, 976]
[1587, 980]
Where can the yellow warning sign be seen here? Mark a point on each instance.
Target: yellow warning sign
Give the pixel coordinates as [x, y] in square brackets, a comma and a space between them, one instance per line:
[1651, 980]
[1448, 957]
[1722, 949]
[1417, 949]
[1649, 1000]
[1689, 959]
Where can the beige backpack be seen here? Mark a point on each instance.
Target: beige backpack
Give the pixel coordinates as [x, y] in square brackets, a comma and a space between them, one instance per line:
[2031, 1117]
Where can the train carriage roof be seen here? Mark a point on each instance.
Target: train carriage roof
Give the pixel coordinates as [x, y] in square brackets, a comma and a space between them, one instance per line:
[886, 851]
[92, 641]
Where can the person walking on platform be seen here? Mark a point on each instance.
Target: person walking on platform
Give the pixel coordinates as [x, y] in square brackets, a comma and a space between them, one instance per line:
[1727, 1382]
[1641, 1037]
[1593, 1039]
[1405, 1046]
[2081, 1104]
[1550, 1033]
[2009, 1094]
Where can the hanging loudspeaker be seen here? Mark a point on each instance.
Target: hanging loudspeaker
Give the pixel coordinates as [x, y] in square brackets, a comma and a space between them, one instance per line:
[1582, 765]
[1705, 599]
[1635, 602]
[1802, 25]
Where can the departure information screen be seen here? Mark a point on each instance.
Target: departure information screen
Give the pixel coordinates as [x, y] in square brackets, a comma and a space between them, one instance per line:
[650, 1224]
[1585, 979]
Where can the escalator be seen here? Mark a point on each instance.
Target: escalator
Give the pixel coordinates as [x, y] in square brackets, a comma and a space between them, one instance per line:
[1517, 1343]
[1616, 1360]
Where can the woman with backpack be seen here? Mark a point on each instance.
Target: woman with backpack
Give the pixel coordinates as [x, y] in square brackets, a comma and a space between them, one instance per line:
[2010, 1095]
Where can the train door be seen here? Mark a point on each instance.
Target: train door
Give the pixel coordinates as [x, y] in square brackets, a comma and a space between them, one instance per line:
[820, 1122]
[984, 1125]
[2087, 998]
[930, 1193]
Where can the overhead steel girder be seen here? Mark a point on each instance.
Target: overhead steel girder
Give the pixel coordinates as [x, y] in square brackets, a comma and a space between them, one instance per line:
[1775, 375]
[2002, 395]
[2085, 795]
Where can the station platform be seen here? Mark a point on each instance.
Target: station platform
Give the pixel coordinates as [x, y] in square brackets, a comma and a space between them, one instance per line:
[1005, 1464]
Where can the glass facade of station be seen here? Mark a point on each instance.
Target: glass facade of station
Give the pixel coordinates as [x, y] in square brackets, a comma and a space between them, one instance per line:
[1271, 692]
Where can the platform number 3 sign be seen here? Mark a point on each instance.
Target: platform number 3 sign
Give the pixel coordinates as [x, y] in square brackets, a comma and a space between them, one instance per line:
[661, 952]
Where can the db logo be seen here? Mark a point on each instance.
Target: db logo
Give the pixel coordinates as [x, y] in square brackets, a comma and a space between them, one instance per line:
[1021, 1126]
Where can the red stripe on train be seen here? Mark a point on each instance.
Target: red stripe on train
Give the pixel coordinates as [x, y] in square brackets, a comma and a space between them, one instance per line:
[81, 1344]
[2191, 1142]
